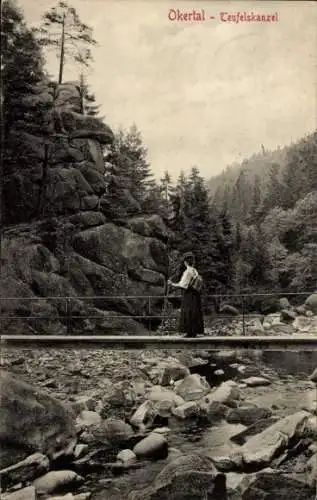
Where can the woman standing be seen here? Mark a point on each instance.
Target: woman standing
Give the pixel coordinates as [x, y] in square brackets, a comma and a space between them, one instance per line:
[191, 320]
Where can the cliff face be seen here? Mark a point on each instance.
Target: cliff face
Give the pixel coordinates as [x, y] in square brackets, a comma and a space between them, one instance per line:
[63, 245]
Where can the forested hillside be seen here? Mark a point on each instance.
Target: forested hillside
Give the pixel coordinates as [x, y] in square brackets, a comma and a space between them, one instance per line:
[274, 213]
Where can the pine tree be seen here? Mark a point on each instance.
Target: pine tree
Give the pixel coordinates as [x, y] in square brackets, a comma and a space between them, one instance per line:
[90, 107]
[241, 197]
[23, 112]
[177, 220]
[274, 189]
[63, 31]
[137, 168]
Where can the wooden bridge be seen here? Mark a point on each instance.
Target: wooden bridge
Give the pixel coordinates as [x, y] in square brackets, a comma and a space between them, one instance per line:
[153, 340]
[126, 342]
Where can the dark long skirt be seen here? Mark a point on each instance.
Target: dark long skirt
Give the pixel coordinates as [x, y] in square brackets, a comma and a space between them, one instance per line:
[191, 319]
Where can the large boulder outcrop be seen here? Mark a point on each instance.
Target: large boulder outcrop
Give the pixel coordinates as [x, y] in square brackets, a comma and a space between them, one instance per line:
[68, 247]
[33, 421]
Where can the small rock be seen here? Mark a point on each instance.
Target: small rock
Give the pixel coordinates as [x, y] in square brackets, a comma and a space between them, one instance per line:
[51, 383]
[174, 453]
[301, 310]
[247, 415]
[26, 470]
[162, 430]
[158, 393]
[226, 394]
[230, 310]
[187, 410]
[127, 457]
[28, 493]
[80, 450]
[225, 356]
[311, 302]
[284, 303]
[84, 403]
[311, 470]
[219, 372]
[114, 430]
[87, 437]
[248, 370]
[17, 361]
[87, 419]
[167, 371]
[54, 480]
[313, 376]
[193, 387]
[144, 414]
[153, 446]
[256, 381]
[226, 464]
[288, 315]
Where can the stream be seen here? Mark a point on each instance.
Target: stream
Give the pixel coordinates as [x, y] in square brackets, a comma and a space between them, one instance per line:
[285, 395]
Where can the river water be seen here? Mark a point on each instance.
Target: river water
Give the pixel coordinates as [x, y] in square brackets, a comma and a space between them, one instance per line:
[286, 394]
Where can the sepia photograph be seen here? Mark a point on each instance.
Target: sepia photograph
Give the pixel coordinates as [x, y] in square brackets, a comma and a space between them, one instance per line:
[158, 253]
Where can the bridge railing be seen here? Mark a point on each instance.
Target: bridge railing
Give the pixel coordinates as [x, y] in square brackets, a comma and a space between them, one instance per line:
[96, 315]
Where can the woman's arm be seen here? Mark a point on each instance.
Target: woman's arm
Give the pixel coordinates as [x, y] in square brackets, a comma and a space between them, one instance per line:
[184, 281]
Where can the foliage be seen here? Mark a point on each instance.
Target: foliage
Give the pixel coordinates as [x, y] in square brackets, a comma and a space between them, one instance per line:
[63, 31]
[90, 107]
[23, 108]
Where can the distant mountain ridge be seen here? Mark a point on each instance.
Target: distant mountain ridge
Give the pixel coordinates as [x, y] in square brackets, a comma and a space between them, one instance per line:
[257, 165]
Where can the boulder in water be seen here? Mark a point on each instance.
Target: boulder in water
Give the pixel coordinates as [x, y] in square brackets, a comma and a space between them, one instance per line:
[154, 446]
[33, 420]
[185, 478]
[256, 381]
[127, 457]
[260, 449]
[56, 480]
[144, 415]
[226, 394]
[247, 415]
[279, 486]
[193, 387]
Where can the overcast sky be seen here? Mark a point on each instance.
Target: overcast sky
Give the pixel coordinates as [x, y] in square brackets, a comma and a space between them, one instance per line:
[205, 94]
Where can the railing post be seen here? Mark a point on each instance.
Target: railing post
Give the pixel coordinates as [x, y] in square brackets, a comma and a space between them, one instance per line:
[149, 313]
[243, 315]
[67, 315]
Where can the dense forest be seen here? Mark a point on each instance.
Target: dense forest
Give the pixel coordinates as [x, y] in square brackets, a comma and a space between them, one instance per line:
[253, 228]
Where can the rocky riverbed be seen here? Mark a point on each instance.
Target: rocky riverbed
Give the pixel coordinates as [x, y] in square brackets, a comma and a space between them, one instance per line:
[157, 424]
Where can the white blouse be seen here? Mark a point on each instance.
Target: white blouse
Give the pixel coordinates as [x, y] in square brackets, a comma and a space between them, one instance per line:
[187, 277]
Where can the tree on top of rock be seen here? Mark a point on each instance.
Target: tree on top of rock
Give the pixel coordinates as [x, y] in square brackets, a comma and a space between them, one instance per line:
[63, 31]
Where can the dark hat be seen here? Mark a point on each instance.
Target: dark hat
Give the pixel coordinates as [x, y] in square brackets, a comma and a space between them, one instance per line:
[188, 255]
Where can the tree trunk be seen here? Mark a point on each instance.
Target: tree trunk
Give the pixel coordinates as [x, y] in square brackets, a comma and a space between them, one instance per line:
[61, 61]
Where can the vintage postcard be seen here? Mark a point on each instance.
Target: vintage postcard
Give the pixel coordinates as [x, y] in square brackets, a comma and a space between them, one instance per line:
[158, 285]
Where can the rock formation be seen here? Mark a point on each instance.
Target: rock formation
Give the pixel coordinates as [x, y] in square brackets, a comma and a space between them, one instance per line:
[61, 244]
